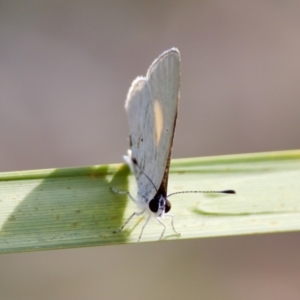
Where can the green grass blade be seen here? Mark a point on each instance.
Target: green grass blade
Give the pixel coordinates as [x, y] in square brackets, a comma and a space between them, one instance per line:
[64, 208]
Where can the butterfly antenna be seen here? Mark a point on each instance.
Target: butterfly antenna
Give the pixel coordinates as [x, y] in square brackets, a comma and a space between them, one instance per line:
[206, 192]
[136, 164]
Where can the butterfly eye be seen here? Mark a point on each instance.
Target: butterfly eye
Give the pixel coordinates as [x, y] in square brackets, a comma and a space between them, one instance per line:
[168, 206]
[153, 205]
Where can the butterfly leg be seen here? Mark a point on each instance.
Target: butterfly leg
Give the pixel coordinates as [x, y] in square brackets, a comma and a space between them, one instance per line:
[161, 222]
[128, 220]
[123, 193]
[172, 222]
[134, 214]
[122, 227]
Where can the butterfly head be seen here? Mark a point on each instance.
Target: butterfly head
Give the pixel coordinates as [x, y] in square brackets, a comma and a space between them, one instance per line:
[159, 205]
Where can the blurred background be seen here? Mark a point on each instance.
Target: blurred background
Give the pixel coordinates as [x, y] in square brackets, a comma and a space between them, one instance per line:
[65, 69]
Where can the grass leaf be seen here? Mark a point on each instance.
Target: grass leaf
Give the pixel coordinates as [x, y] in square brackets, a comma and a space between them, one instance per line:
[64, 208]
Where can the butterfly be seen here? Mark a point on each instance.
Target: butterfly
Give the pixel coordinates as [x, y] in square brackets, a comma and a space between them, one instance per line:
[151, 107]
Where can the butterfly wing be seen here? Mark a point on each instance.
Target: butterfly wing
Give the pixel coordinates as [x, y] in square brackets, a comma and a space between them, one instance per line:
[151, 107]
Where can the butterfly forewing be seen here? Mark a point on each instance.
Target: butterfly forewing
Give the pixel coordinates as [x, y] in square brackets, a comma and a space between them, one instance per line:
[151, 107]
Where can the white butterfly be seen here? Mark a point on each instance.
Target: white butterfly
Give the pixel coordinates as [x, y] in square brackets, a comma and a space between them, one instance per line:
[151, 108]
